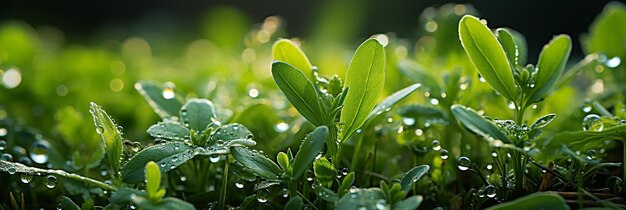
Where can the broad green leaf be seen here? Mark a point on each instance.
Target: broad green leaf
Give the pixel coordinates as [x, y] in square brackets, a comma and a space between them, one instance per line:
[540, 200]
[111, 137]
[347, 182]
[409, 203]
[67, 204]
[230, 132]
[310, 147]
[510, 46]
[283, 162]
[607, 31]
[294, 203]
[125, 196]
[167, 155]
[153, 93]
[169, 130]
[414, 175]
[286, 51]
[578, 139]
[196, 114]
[550, 66]
[487, 55]
[543, 121]
[361, 199]
[479, 125]
[423, 114]
[325, 172]
[392, 100]
[365, 78]
[257, 163]
[153, 181]
[299, 91]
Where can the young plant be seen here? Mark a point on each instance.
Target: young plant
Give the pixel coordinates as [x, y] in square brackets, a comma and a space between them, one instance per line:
[498, 59]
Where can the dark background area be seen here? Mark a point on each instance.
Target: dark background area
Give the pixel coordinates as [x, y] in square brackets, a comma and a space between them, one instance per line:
[83, 21]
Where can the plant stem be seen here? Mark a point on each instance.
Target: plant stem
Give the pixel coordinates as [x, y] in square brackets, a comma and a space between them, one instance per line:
[331, 144]
[21, 168]
[357, 151]
[224, 185]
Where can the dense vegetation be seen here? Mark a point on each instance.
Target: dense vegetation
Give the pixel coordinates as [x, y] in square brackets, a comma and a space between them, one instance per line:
[460, 118]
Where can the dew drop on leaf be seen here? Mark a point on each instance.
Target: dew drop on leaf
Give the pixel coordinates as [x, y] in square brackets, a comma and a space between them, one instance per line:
[490, 191]
[26, 178]
[463, 163]
[136, 146]
[592, 122]
[262, 195]
[3, 144]
[381, 204]
[282, 127]
[51, 181]
[168, 90]
[436, 145]
[239, 185]
[7, 157]
[214, 158]
[285, 192]
[39, 151]
[444, 154]
[481, 193]
[99, 129]
[409, 121]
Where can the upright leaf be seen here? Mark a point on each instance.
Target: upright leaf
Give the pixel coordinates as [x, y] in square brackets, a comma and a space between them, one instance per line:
[196, 114]
[540, 200]
[257, 163]
[409, 203]
[514, 46]
[153, 93]
[310, 147]
[153, 181]
[111, 137]
[550, 66]
[168, 156]
[365, 78]
[414, 175]
[479, 125]
[295, 203]
[285, 50]
[325, 172]
[68, 204]
[299, 91]
[487, 55]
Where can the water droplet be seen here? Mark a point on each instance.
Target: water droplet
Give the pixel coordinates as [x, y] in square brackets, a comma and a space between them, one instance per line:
[463, 163]
[345, 171]
[587, 107]
[436, 145]
[214, 158]
[262, 195]
[253, 92]
[285, 192]
[381, 204]
[282, 127]
[239, 185]
[613, 62]
[534, 106]
[494, 154]
[593, 122]
[444, 154]
[409, 121]
[51, 181]
[12, 170]
[11, 78]
[7, 157]
[511, 105]
[39, 151]
[434, 101]
[136, 146]
[489, 167]
[481, 193]
[490, 191]
[591, 154]
[3, 144]
[3, 131]
[419, 132]
[481, 78]
[26, 178]
[168, 90]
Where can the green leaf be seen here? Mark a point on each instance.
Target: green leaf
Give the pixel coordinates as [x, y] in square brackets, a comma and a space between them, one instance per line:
[325, 193]
[153, 93]
[309, 149]
[347, 182]
[540, 200]
[168, 156]
[283, 162]
[257, 163]
[169, 130]
[423, 114]
[606, 31]
[543, 121]
[487, 55]
[409, 203]
[479, 125]
[67, 204]
[393, 99]
[325, 172]
[153, 181]
[511, 46]
[111, 137]
[552, 60]
[361, 199]
[229, 133]
[196, 114]
[365, 78]
[294, 203]
[299, 91]
[578, 139]
[285, 50]
[414, 175]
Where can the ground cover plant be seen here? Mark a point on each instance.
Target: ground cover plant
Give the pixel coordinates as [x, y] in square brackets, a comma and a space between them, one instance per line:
[465, 120]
